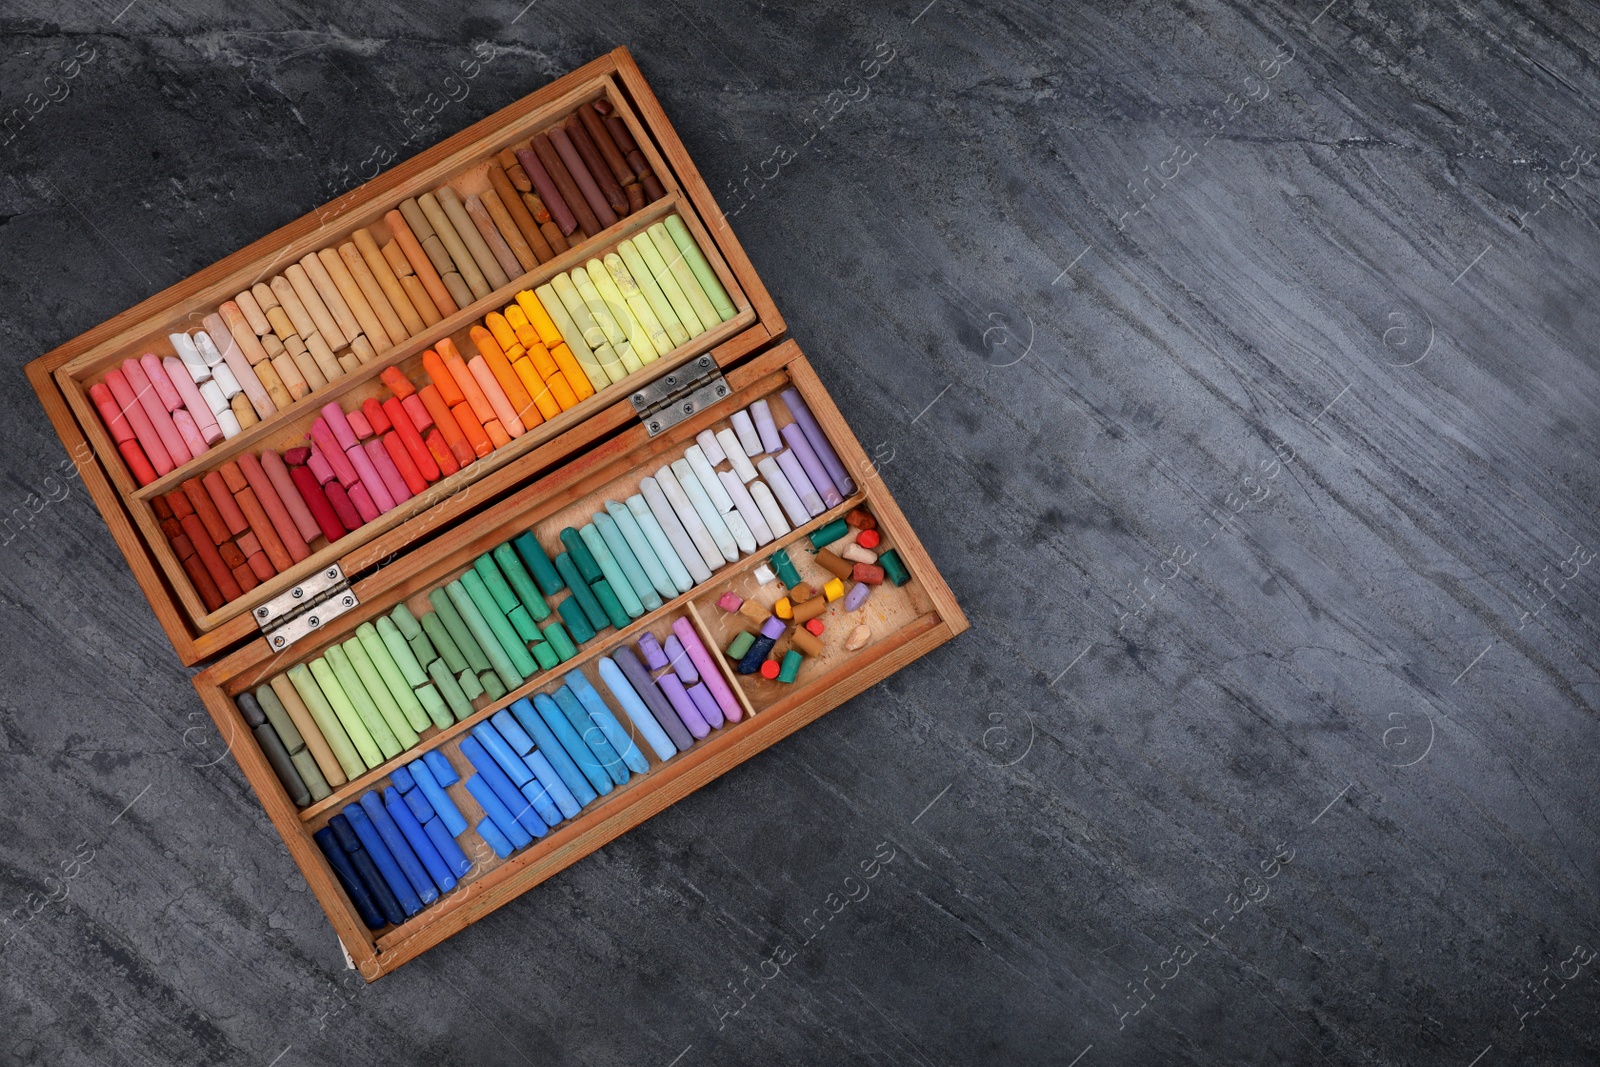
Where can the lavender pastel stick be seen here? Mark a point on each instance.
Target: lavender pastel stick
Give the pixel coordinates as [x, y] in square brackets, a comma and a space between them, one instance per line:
[762, 413]
[812, 465]
[708, 669]
[683, 705]
[653, 698]
[650, 649]
[857, 596]
[681, 661]
[704, 701]
[819, 443]
[796, 476]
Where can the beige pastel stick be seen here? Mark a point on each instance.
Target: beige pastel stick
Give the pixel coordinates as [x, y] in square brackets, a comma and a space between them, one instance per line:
[276, 390]
[270, 342]
[373, 292]
[378, 264]
[458, 288]
[309, 370]
[415, 290]
[242, 411]
[418, 221]
[459, 256]
[282, 325]
[326, 761]
[253, 313]
[509, 230]
[241, 332]
[327, 363]
[322, 282]
[363, 349]
[265, 298]
[349, 361]
[479, 214]
[371, 326]
[426, 270]
[294, 344]
[289, 374]
[322, 318]
[291, 310]
[477, 247]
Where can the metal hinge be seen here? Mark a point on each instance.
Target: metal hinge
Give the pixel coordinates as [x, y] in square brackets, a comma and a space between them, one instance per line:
[312, 604]
[678, 394]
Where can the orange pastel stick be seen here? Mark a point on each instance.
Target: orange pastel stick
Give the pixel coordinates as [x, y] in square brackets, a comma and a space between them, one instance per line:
[222, 497]
[472, 429]
[542, 360]
[469, 388]
[440, 451]
[404, 463]
[500, 366]
[420, 263]
[446, 424]
[543, 399]
[262, 527]
[498, 438]
[397, 382]
[197, 496]
[277, 511]
[210, 557]
[200, 578]
[442, 379]
[504, 413]
[562, 390]
[576, 379]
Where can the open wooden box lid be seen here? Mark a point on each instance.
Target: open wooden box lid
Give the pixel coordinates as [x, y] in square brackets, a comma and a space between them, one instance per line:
[62, 377]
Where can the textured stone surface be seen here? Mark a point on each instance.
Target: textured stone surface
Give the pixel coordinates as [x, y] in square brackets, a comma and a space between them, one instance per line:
[1247, 492]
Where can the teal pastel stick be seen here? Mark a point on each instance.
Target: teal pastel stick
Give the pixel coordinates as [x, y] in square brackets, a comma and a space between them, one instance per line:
[639, 508]
[622, 552]
[609, 603]
[592, 610]
[544, 571]
[572, 613]
[639, 545]
[572, 742]
[520, 622]
[603, 718]
[592, 735]
[578, 549]
[496, 583]
[499, 626]
[620, 584]
[554, 752]
[522, 582]
[546, 654]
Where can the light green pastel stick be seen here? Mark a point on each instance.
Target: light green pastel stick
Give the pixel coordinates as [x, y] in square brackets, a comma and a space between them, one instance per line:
[640, 509]
[546, 656]
[401, 616]
[459, 703]
[644, 348]
[593, 336]
[459, 633]
[612, 570]
[641, 309]
[639, 270]
[468, 681]
[523, 624]
[572, 336]
[682, 306]
[395, 641]
[499, 659]
[278, 716]
[327, 720]
[702, 270]
[356, 693]
[500, 628]
[643, 553]
[394, 679]
[423, 650]
[522, 582]
[496, 583]
[378, 691]
[625, 558]
[355, 727]
[612, 330]
[560, 642]
[434, 705]
[683, 274]
[492, 685]
[439, 636]
[310, 773]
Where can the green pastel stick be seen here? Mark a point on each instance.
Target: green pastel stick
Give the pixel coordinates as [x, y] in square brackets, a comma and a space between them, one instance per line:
[781, 565]
[663, 276]
[520, 622]
[545, 655]
[377, 692]
[652, 292]
[544, 571]
[791, 666]
[438, 635]
[401, 616]
[496, 583]
[355, 724]
[598, 619]
[450, 689]
[469, 684]
[500, 628]
[578, 549]
[621, 588]
[622, 552]
[400, 651]
[310, 773]
[522, 582]
[278, 716]
[560, 643]
[491, 685]
[609, 602]
[423, 650]
[393, 678]
[680, 270]
[644, 552]
[577, 620]
[471, 651]
[740, 644]
[333, 730]
[893, 568]
[434, 705]
[499, 660]
[702, 270]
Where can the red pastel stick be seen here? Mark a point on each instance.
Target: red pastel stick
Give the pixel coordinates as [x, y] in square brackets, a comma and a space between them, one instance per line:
[110, 413]
[322, 510]
[412, 440]
[401, 458]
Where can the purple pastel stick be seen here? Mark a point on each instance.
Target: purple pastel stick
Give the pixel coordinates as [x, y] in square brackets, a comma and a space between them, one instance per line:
[683, 705]
[650, 649]
[813, 466]
[681, 661]
[709, 674]
[857, 596]
[773, 627]
[819, 444]
[704, 701]
[810, 499]
[566, 222]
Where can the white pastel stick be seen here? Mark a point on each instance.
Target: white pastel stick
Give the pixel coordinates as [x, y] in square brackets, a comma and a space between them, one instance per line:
[692, 487]
[702, 468]
[749, 439]
[704, 543]
[208, 350]
[748, 511]
[769, 508]
[222, 377]
[193, 362]
[229, 423]
[682, 543]
[784, 491]
[736, 455]
[211, 393]
[709, 445]
[770, 440]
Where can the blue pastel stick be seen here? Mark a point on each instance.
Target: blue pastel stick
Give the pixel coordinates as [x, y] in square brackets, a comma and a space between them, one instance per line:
[428, 785]
[417, 801]
[444, 772]
[348, 840]
[503, 754]
[491, 833]
[607, 721]
[415, 872]
[401, 778]
[635, 709]
[572, 742]
[553, 752]
[417, 838]
[497, 812]
[639, 543]
[449, 851]
[536, 794]
[514, 734]
[383, 859]
[553, 784]
[592, 735]
[504, 788]
[354, 887]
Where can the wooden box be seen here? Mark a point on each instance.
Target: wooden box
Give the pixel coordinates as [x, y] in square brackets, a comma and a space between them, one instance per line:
[553, 476]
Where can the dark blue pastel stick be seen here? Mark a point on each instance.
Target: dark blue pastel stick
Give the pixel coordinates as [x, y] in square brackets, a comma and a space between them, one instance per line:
[443, 806]
[539, 797]
[417, 801]
[602, 716]
[418, 839]
[552, 783]
[449, 851]
[507, 759]
[383, 859]
[491, 833]
[592, 735]
[504, 788]
[345, 835]
[401, 778]
[554, 753]
[415, 873]
[498, 813]
[514, 734]
[444, 772]
[354, 887]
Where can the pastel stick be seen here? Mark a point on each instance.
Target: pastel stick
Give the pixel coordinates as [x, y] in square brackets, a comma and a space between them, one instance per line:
[495, 777]
[345, 835]
[614, 574]
[365, 903]
[592, 735]
[415, 836]
[649, 542]
[638, 713]
[555, 753]
[572, 742]
[801, 413]
[399, 848]
[623, 553]
[683, 546]
[672, 686]
[708, 669]
[442, 805]
[606, 719]
[500, 815]
[660, 708]
[444, 842]
[389, 867]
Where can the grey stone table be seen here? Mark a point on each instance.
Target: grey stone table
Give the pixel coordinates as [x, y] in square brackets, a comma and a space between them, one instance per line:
[1237, 364]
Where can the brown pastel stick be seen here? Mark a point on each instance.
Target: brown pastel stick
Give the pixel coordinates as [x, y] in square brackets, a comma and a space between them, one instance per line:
[222, 496]
[371, 325]
[452, 222]
[551, 159]
[561, 141]
[277, 511]
[232, 556]
[348, 361]
[547, 226]
[220, 573]
[363, 349]
[261, 526]
[322, 317]
[803, 640]
[608, 147]
[270, 342]
[635, 197]
[195, 492]
[514, 172]
[833, 564]
[252, 313]
[804, 613]
[565, 220]
[411, 244]
[170, 527]
[374, 295]
[200, 578]
[508, 230]
[599, 169]
[267, 375]
[326, 761]
[307, 366]
[416, 292]
[485, 225]
[332, 297]
[379, 267]
[521, 217]
[277, 472]
[245, 577]
[653, 190]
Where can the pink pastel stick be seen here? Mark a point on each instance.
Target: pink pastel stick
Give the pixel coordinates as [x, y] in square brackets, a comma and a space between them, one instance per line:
[335, 418]
[368, 476]
[159, 416]
[199, 410]
[418, 411]
[254, 391]
[190, 433]
[709, 674]
[365, 507]
[133, 411]
[392, 481]
[278, 474]
[158, 377]
[110, 412]
[328, 445]
[358, 422]
[320, 467]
